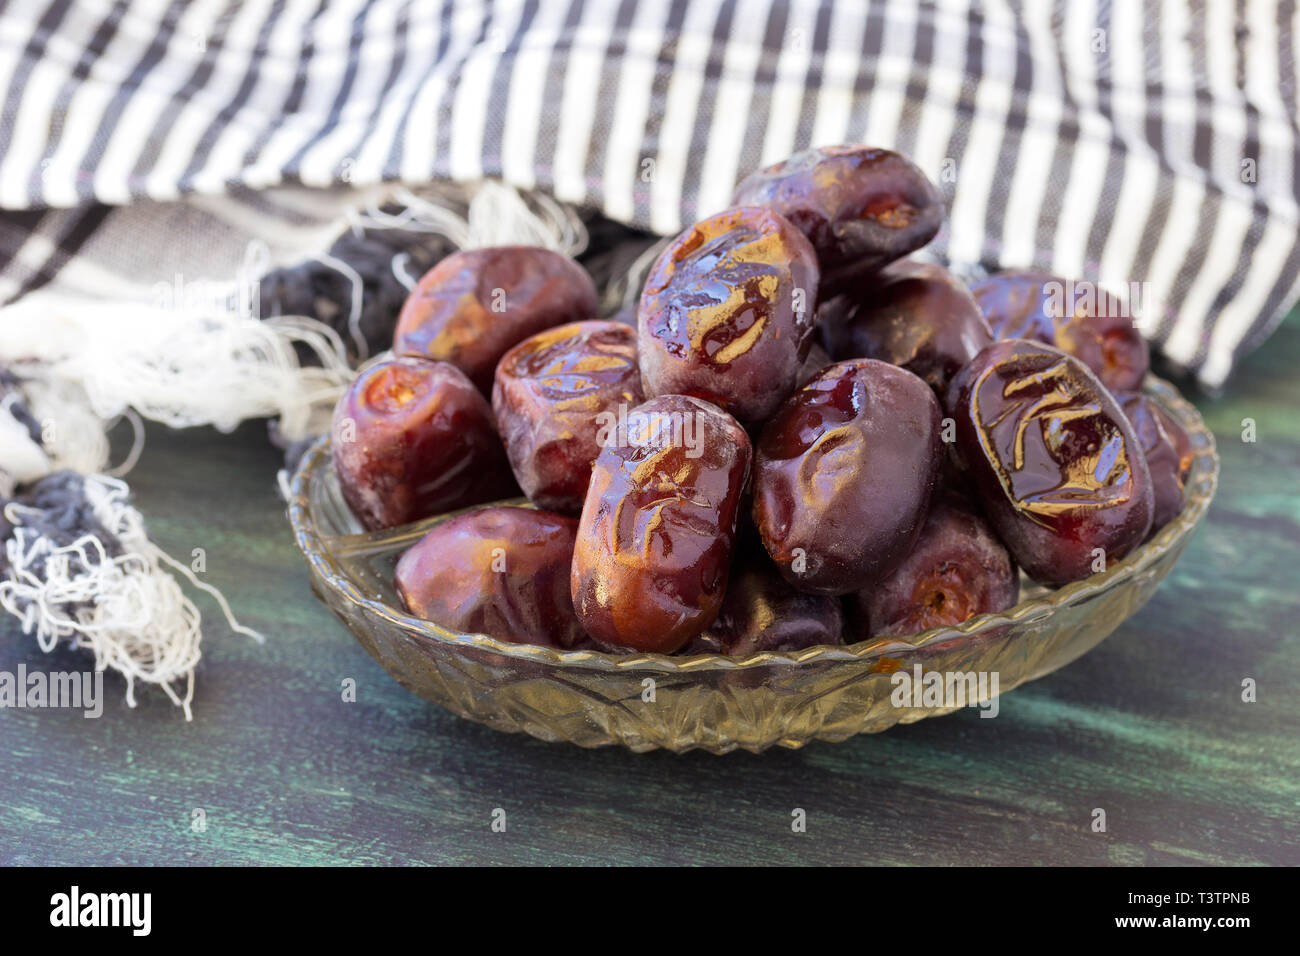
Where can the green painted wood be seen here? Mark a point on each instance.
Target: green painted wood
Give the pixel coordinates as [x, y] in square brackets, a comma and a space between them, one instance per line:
[1150, 726]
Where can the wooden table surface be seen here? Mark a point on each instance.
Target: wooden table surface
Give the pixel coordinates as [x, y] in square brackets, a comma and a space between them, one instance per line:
[1150, 726]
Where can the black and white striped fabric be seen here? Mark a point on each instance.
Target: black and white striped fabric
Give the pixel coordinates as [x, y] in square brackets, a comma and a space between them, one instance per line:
[1126, 141]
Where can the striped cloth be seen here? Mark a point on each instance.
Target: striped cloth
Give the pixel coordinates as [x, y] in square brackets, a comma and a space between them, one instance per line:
[1132, 141]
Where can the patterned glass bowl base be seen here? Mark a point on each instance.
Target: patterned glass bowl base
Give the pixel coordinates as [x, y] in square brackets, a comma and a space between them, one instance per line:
[708, 701]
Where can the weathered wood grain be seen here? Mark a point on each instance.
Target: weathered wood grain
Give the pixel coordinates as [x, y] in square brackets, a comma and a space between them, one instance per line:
[1150, 726]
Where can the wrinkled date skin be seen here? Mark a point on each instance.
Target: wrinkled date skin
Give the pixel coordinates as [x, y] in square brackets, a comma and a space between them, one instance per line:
[499, 571]
[958, 569]
[474, 305]
[1076, 317]
[727, 313]
[656, 533]
[861, 207]
[553, 392]
[1164, 460]
[1054, 461]
[916, 316]
[412, 438]
[843, 475]
[761, 612]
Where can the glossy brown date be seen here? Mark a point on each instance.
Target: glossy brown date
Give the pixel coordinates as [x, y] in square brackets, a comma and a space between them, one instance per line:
[1164, 460]
[499, 571]
[916, 316]
[474, 305]
[843, 475]
[958, 569]
[657, 528]
[1055, 463]
[727, 313]
[761, 612]
[412, 438]
[860, 207]
[1077, 317]
[553, 391]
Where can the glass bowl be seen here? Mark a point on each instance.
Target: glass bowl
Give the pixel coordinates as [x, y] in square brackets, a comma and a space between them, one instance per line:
[710, 701]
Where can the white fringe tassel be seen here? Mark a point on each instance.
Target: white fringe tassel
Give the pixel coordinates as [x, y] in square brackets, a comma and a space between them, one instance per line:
[180, 368]
[127, 609]
[495, 215]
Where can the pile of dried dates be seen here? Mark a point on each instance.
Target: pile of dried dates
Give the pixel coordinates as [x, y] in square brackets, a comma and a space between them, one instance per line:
[807, 438]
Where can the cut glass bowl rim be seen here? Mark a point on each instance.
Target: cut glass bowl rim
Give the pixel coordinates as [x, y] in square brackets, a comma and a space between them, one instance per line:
[1200, 485]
